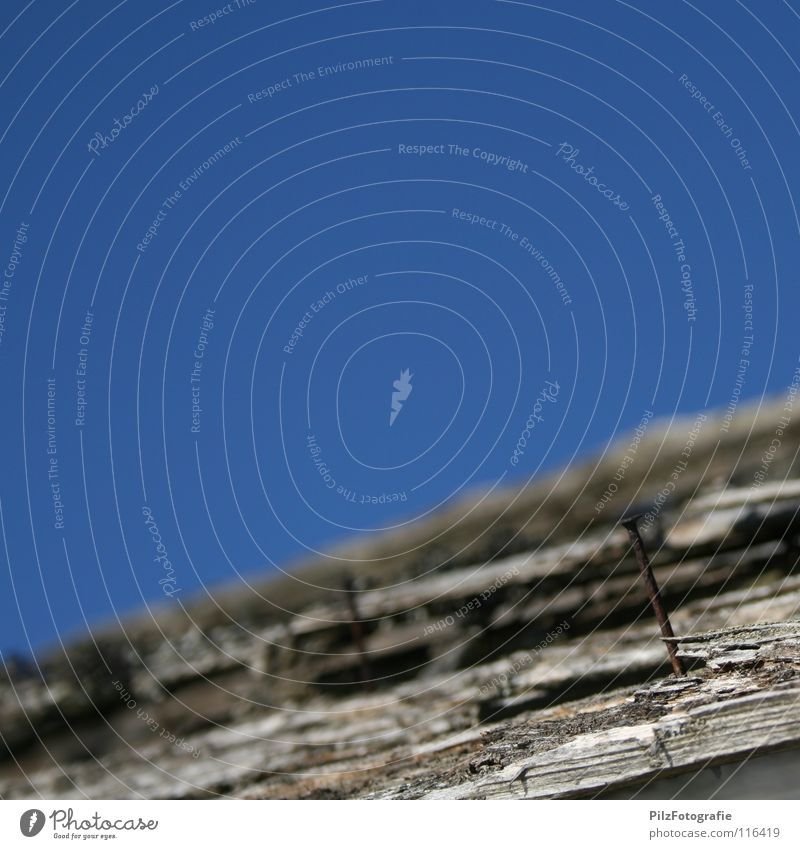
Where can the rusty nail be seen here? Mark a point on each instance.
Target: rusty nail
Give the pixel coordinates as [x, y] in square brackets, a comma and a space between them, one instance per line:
[357, 628]
[631, 525]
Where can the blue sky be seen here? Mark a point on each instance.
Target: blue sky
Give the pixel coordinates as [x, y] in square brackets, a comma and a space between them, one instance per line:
[227, 232]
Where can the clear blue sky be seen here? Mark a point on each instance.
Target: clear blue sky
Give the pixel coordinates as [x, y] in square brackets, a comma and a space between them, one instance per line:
[225, 236]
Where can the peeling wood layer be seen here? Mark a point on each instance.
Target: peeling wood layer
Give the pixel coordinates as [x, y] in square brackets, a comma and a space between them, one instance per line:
[536, 672]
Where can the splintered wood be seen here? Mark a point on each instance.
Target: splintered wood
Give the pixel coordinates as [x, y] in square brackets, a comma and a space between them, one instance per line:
[531, 675]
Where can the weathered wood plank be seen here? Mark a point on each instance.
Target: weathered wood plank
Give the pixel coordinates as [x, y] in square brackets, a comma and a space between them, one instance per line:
[701, 736]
